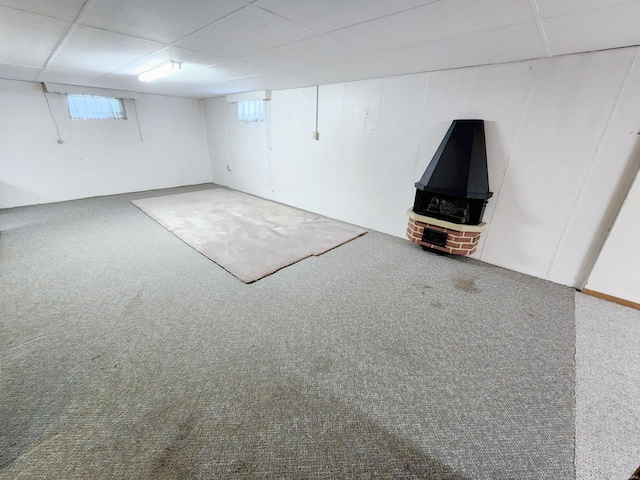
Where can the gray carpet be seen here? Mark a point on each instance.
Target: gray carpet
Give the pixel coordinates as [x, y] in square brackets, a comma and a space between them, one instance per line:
[127, 354]
[607, 389]
[248, 236]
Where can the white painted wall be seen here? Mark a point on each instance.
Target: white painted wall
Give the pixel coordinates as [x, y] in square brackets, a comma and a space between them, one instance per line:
[98, 157]
[561, 139]
[617, 271]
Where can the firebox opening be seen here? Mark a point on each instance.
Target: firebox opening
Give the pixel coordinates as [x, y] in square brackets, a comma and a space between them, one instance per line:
[434, 237]
[451, 209]
[456, 210]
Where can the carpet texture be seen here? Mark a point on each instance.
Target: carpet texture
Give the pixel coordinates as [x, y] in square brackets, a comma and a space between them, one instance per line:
[607, 389]
[127, 354]
[248, 236]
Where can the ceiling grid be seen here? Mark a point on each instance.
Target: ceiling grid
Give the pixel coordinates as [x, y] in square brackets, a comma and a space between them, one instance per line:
[232, 46]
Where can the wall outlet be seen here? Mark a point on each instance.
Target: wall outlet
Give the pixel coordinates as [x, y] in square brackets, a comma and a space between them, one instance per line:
[316, 135]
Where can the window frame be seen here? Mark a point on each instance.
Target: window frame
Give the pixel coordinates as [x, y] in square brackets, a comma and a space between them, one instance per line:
[101, 108]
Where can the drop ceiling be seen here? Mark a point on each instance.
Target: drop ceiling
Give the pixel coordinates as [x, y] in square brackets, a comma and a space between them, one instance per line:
[232, 46]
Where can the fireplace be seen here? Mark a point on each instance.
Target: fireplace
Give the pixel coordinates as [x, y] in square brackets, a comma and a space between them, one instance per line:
[452, 194]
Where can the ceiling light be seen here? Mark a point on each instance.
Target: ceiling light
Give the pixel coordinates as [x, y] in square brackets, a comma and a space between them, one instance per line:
[164, 69]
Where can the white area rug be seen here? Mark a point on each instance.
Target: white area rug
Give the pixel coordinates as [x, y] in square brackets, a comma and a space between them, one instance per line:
[248, 236]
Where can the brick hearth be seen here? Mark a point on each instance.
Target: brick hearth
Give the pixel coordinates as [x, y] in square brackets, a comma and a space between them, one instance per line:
[461, 239]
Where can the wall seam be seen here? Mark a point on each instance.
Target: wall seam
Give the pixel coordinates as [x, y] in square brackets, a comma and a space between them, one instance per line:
[592, 163]
[424, 114]
[370, 213]
[510, 162]
[206, 138]
[226, 139]
[582, 283]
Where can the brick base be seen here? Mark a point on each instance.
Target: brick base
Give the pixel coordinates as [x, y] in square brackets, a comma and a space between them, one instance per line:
[459, 240]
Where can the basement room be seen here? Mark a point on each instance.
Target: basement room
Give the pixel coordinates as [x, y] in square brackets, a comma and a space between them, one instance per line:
[319, 239]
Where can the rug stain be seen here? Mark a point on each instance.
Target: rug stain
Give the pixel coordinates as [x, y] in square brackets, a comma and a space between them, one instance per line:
[467, 285]
[179, 458]
[135, 303]
[293, 430]
[286, 429]
[322, 365]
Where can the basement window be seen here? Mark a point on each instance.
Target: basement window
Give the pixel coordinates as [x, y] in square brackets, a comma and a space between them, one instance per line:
[251, 111]
[94, 107]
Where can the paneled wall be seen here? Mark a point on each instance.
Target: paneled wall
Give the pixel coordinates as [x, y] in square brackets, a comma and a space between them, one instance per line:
[617, 271]
[562, 136]
[161, 144]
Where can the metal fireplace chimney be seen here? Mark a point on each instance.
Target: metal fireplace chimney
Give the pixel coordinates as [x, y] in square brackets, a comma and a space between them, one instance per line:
[452, 194]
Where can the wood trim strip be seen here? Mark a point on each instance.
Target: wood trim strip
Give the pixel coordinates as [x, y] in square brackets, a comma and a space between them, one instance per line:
[611, 298]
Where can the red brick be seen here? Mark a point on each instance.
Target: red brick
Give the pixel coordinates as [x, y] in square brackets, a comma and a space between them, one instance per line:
[413, 226]
[435, 247]
[435, 227]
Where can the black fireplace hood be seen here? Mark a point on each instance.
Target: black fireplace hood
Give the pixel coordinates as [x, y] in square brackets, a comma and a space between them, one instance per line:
[459, 166]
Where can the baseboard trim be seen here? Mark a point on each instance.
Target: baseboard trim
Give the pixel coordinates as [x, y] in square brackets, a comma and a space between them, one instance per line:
[611, 298]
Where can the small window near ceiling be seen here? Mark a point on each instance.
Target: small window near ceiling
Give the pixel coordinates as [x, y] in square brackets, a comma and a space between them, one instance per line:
[251, 111]
[94, 107]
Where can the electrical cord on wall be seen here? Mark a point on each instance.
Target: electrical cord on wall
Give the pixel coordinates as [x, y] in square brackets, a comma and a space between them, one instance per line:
[44, 92]
[268, 121]
[135, 109]
[316, 133]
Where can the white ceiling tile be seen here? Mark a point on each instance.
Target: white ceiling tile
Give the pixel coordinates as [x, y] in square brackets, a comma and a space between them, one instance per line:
[64, 10]
[358, 67]
[303, 53]
[244, 32]
[28, 39]
[68, 78]
[132, 84]
[18, 72]
[434, 21]
[269, 81]
[594, 29]
[191, 61]
[160, 20]
[553, 8]
[219, 73]
[239, 45]
[96, 51]
[512, 43]
[330, 15]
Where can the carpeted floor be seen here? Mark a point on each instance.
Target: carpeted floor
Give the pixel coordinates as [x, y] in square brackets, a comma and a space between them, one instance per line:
[126, 354]
[607, 389]
[248, 236]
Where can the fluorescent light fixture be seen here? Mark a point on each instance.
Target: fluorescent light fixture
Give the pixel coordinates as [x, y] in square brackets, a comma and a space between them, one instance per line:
[163, 70]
